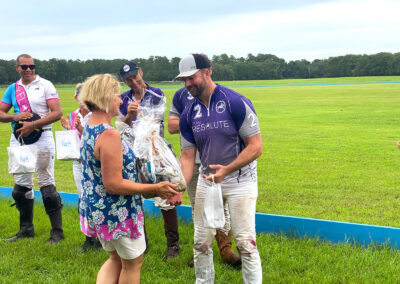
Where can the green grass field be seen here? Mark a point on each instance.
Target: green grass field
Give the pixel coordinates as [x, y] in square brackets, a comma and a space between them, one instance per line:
[329, 151]
[284, 259]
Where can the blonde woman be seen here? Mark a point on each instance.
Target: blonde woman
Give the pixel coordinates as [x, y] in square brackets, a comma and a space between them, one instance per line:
[111, 205]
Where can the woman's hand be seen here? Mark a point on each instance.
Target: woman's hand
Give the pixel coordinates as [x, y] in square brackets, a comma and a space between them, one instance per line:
[165, 189]
[65, 123]
[175, 200]
[78, 124]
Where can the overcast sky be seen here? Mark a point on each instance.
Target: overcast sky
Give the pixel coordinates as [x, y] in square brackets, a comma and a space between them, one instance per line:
[306, 29]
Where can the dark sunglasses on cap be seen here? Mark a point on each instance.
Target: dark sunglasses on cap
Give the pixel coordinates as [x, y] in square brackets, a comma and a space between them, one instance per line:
[25, 67]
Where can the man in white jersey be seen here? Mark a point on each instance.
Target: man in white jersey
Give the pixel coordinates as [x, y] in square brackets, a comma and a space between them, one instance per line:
[39, 96]
[223, 126]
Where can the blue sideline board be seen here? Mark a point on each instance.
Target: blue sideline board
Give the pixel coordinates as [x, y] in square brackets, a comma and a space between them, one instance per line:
[327, 230]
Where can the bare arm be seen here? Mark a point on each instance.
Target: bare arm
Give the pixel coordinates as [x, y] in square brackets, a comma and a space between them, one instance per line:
[127, 119]
[5, 117]
[188, 157]
[54, 115]
[173, 124]
[65, 123]
[252, 151]
[111, 169]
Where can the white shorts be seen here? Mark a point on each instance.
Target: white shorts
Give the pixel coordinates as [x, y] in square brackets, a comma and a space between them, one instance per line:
[126, 248]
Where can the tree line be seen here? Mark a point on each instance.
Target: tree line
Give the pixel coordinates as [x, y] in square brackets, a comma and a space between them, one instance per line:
[225, 67]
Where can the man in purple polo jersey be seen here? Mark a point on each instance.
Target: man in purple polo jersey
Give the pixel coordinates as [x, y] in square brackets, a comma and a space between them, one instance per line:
[180, 101]
[141, 93]
[223, 126]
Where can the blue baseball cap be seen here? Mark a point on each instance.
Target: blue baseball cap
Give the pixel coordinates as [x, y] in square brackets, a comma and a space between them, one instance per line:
[128, 69]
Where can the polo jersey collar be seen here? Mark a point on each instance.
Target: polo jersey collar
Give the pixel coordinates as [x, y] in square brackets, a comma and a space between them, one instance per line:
[34, 81]
[131, 93]
[216, 90]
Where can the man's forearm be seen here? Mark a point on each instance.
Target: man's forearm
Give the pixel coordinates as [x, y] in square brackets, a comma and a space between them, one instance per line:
[173, 129]
[187, 164]
[251, 152]
[53, 116]
[187, 170]
[173, 124]
[5, 117]
[127, 119]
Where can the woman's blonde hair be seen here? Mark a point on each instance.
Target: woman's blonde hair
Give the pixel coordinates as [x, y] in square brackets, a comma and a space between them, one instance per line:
[98, 92]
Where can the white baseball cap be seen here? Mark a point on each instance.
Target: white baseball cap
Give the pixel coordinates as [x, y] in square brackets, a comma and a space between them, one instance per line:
[192, 63]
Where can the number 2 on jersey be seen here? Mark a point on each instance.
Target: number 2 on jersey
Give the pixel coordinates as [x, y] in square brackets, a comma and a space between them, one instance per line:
[252, 116]
[197, 109]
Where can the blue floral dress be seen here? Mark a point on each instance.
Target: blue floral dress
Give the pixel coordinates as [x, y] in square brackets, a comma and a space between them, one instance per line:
[104, 215]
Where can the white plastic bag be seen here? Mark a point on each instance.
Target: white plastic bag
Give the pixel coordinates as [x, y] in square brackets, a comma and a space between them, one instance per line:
[22, 159]
[213, 215]
[68, 145]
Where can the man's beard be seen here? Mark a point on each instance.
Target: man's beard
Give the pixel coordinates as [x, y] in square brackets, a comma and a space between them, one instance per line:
[195, 91]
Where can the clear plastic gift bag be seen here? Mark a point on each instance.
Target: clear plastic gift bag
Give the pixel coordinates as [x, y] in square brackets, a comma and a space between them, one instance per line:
[155, 161]
[22, 159]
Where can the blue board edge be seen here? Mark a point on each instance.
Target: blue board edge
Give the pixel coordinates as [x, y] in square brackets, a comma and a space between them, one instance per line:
[331, 231]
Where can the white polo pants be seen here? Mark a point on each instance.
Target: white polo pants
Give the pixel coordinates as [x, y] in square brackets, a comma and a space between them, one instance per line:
[241, 200]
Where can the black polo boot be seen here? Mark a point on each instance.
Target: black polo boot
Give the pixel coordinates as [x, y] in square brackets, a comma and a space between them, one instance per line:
[56, 232]
[91, 243]
[52, 204]
[25, 208]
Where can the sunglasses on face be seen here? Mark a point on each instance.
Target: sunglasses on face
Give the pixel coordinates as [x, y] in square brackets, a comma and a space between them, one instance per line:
[25, 67]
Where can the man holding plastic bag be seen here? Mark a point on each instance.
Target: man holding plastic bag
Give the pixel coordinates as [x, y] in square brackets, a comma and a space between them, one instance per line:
[144, 99]
[182, 99]
[36, 106]
[223, 126]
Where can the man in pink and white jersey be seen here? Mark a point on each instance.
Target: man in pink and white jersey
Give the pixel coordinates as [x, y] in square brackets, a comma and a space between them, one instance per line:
[35, 95]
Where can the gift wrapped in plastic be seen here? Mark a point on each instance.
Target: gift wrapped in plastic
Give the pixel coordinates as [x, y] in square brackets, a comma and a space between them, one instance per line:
[155, 161]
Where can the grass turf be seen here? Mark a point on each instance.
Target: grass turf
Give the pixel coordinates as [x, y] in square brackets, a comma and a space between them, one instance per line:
[284, 259]
[329, 147]
[328, 152]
